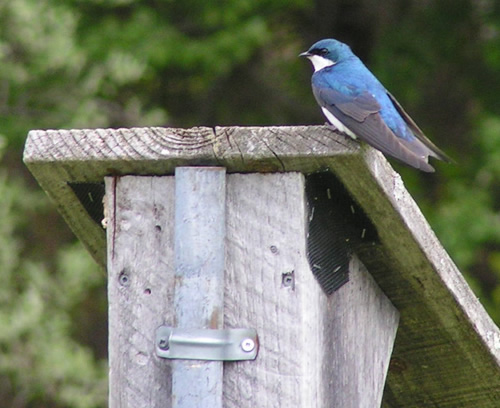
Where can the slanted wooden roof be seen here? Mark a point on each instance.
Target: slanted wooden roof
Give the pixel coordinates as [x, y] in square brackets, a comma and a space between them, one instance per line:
[447, 351]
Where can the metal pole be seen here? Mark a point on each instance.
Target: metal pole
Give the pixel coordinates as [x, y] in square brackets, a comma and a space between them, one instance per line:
[199, 271]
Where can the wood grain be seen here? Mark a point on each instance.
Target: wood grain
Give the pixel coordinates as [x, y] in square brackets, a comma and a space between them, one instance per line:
[447, 351]
[362, 325]
[266, 230]
[315, 352]
[59, 157]
[140, 288]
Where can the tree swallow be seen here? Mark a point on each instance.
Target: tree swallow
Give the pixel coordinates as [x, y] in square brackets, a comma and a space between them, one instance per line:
[356, 103]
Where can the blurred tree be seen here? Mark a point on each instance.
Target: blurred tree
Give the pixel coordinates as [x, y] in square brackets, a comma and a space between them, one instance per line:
[40, 363]
[122, 63]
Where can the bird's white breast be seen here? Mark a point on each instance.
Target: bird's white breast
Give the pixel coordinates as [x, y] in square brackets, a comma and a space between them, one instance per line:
[337, 123]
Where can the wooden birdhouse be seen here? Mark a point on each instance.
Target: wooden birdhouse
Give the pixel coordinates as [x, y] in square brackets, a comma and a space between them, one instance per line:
[267, 267]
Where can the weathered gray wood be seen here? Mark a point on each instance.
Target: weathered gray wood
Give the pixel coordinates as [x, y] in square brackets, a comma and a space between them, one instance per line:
[302, 359]
[437, 360]
[140, 288]
[314, 352]
[56, 157]
[362, 325]
[200, 226]
[443, 327]
[266, 230]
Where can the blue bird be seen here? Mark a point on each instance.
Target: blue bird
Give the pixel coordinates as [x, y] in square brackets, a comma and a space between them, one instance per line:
[356, 103]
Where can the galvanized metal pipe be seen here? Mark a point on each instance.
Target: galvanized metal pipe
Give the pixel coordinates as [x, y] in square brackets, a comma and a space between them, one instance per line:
[199, 268]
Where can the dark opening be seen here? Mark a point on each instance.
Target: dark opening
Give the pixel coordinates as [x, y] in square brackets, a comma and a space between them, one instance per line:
[91, 196]
[337, 227]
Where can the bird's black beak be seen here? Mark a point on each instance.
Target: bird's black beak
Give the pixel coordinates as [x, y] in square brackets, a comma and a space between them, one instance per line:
[305, 54]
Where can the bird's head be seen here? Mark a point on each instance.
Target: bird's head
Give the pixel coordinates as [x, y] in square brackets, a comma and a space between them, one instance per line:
[326, 53]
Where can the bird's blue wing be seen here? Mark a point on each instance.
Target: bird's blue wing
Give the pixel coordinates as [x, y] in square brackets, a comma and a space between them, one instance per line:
[360, 113]
[434, 150]
[357, 107]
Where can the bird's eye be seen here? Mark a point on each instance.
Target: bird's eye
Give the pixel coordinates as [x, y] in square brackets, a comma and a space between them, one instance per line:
[323, 51]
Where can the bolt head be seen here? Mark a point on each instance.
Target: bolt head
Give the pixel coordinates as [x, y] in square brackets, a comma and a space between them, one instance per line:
[163, 344]
[247, 345]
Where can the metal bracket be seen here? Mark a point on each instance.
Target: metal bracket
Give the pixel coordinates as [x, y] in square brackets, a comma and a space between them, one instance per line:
[207, 344]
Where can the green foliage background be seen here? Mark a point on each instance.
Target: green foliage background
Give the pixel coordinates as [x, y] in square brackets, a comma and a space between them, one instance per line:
[110, 63]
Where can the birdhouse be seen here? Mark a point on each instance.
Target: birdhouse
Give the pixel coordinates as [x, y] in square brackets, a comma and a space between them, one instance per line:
[267, 267]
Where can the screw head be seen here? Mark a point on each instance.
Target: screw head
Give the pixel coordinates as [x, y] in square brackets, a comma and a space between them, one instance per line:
[124, 278]
[247, 345]
[163, 344]
[288, 279]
